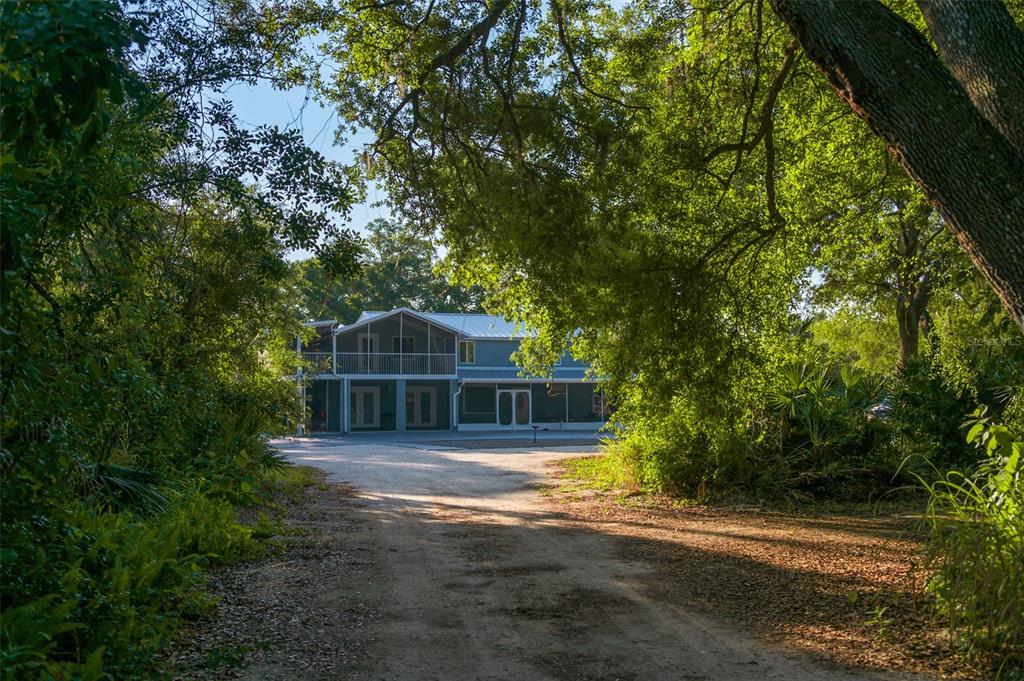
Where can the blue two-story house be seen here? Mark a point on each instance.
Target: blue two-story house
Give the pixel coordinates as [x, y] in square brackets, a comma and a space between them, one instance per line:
[408, 370]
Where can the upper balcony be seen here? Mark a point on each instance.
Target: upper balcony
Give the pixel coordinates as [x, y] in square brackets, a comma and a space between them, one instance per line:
[381, 363]
[417, 346]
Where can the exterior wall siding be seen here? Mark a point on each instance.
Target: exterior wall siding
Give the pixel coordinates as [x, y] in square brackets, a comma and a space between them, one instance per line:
[494, 353]
[497, 354]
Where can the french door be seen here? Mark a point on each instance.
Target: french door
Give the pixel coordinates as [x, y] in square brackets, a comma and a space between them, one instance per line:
[364, 407]
[514, 408]
[420, 407]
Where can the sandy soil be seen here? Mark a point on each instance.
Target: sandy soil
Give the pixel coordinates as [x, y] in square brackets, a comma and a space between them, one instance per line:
[423, 562]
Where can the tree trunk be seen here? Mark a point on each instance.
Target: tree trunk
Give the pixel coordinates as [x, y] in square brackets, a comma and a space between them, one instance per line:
[911, 313]
[984, 50]
[889, 75]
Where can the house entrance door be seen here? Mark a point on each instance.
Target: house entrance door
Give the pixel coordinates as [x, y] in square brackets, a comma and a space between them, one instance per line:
[514, 408]
[364, 407]
[420, 407]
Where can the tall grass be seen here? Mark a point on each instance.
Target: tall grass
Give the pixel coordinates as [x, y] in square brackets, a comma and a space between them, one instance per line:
[976, 552]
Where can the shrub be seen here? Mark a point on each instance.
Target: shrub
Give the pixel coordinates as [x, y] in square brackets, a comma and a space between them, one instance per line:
[926, 417]
[977, 546]
[120, 583]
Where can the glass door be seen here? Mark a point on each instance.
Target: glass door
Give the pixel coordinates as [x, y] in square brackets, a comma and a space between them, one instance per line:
[522, 408]
[420, 407]
[514, 408]
[364, 409]
[504, 408]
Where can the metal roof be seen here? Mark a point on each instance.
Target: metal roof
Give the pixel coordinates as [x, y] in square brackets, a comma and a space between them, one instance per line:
[560, 374]
[467, 325]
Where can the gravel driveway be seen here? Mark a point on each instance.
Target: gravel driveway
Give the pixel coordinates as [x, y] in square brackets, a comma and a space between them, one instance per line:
[453, 567]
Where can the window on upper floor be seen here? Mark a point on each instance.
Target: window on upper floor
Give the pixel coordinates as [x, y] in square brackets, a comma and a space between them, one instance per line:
[467, 352]
[406, 344]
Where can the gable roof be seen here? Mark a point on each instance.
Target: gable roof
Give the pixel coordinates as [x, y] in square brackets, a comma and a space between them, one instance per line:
[467, 325]
[367, 317]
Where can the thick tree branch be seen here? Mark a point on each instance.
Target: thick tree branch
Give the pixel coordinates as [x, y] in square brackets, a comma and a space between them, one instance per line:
[984, 50]
[764, 120]
[446, 58]
[889, 75]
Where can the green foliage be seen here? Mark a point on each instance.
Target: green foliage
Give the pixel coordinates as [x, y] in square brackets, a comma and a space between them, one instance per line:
[817, 432]
[144, 307]
[862, 336]
[604, 472]
[399, 269]
[977, 546]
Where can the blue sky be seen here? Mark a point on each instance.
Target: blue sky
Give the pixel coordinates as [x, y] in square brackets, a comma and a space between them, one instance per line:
[292, 109]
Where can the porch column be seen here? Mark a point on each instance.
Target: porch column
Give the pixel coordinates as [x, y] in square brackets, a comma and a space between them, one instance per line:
[334, 352]
[400, 405]
[346, 395]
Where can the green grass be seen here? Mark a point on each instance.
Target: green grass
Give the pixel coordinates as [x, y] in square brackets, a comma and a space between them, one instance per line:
[292, 481]
[609, 473]
[603, 472]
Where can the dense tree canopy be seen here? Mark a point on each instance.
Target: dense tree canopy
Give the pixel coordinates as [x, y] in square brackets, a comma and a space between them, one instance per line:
[657, 182]
[399, 268]
[144, 304]
[672, 191]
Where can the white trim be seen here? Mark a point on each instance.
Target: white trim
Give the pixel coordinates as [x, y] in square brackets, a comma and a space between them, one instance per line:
[454, 420]
[541, 427]
[363, 322]
[458, 352]
[583, 425]
[453, 377]
[360, 389]
[529, 380]
[514, 425]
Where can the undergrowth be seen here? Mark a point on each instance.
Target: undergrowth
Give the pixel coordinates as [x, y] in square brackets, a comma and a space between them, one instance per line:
[117, 584]
[976, 554]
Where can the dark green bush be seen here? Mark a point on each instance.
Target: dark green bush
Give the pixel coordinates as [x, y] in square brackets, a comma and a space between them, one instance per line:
[977, 547]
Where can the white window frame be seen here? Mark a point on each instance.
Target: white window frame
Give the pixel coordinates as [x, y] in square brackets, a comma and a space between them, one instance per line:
[471, 346]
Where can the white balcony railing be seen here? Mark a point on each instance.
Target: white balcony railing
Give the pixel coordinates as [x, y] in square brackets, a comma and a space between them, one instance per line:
[383, 363]
[318, 362]
[394, 363]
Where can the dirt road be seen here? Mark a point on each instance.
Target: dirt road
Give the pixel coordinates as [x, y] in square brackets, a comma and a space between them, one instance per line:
[448, 565]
